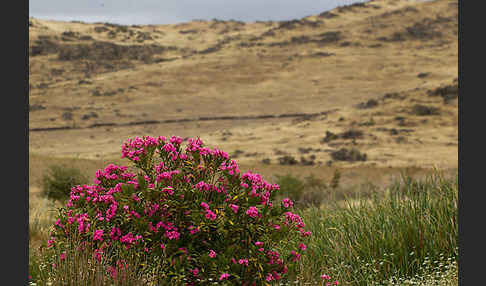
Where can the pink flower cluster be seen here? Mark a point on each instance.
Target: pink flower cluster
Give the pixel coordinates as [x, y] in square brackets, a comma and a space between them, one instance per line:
[178, 201]
[287, 203]
[135, 148]
[128, 240]
[209, 214]
[258, 187]
[252, 212]
[232, 168]
[212, 253]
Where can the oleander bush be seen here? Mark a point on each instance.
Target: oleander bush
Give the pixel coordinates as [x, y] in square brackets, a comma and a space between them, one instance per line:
[187, 213]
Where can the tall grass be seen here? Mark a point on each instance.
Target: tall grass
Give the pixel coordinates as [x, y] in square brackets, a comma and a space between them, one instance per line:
[42, 214]
[370, 241]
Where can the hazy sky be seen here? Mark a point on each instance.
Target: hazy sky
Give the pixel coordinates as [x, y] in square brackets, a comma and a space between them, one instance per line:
[131, 12]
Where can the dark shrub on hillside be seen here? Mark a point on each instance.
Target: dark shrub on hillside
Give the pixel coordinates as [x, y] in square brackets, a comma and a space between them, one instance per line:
[424, 30]
[58, 181]
[322, 54]
[70, 34]
[68, 115]
[290, 186]
[329, 137]
[190, 31]
[287, 160]
[90, 115]
[308, 161]
[352, 134]
[308, 191]
[43, 46]
[424, 110]
[329, 37]
[289, 25]
[350, 7]
[447, 93]
[350, 155]
[368, 104]
[36, 107]
[327, 15]
[304, 150]
[213, 49]
[106, 51]
[101, 29]
[266, 161]
[86, 38]
[423, 74]
[300, 40]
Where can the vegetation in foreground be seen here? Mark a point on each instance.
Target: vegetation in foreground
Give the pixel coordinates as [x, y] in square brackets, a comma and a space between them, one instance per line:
[386, 239]
[404, 236]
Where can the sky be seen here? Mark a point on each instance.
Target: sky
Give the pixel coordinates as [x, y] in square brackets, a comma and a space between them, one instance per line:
[143, 12]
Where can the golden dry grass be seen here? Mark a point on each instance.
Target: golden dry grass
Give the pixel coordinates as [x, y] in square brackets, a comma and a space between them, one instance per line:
[250, 75]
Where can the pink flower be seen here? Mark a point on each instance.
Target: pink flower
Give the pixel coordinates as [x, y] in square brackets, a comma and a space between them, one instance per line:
[302, 246]
[306, 233]
[243, 261]
[97, 254]
[193, 229]
[204, 205]
[162, 246]
[276, 226]
[168, 190]
[98, 235]
[172, 235]
[325, 277]
[285, 269]
[194, 271]
[210, 215]
[112, 270]
[212, 253]
[62, 256]
[287, 203]
[258, 243]
[234, 207]
[296, 256]
[252, 212]
[269, 277]
[224, 276]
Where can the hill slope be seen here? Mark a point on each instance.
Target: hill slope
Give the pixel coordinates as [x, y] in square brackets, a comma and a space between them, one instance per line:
[379, 78]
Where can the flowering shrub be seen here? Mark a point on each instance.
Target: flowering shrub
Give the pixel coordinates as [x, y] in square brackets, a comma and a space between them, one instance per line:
[189, 213]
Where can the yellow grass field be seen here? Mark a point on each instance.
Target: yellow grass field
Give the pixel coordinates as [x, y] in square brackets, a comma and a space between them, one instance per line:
[380, 78]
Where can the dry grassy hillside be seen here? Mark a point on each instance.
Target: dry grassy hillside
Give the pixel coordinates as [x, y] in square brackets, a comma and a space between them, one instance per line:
[370, 85]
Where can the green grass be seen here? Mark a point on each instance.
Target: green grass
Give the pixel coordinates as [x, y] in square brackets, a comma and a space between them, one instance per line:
[368, 241]
[406, 235]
